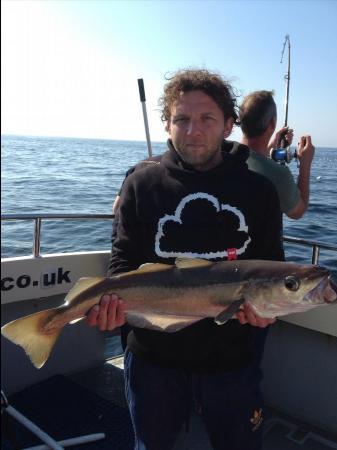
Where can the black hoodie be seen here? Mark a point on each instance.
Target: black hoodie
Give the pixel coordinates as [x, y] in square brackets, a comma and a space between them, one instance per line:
[170, 210]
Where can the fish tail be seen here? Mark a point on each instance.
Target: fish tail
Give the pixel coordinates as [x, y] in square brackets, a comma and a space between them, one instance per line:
[29, 332]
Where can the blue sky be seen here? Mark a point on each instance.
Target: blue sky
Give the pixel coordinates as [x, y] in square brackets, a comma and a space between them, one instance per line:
[70, 68]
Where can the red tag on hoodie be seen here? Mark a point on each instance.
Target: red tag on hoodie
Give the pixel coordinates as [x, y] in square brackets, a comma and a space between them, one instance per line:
[231, 254]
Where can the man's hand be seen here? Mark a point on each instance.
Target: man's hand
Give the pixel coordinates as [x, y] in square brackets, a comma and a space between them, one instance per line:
[247, 315]
[305, 150]
[108, 315]
[284, 132]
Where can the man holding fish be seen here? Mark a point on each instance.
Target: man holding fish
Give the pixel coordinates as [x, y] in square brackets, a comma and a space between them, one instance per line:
[200, 202]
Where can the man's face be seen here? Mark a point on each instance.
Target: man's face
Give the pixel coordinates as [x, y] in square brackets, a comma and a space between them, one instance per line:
[197, 128]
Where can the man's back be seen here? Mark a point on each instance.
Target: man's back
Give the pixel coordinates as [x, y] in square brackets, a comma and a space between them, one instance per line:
[258, 117]
[280, 176]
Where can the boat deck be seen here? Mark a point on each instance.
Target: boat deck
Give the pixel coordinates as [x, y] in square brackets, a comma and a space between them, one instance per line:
[92, 401]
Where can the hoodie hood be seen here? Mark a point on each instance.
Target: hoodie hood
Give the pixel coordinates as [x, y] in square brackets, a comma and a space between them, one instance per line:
[234, 160]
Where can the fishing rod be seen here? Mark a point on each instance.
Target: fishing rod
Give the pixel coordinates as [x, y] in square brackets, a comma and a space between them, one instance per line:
[283, 154]
[287, 78]
[146, 123]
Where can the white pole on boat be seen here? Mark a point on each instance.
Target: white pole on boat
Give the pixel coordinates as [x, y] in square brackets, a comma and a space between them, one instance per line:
[49, 441]
[287, 79]
[146, 123]
[72, 441]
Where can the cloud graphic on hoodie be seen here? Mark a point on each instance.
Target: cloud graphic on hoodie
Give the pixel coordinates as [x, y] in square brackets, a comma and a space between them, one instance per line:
[196, 215]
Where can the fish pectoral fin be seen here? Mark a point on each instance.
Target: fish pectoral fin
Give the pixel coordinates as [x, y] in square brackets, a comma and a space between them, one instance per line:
[80, 285]
[186, 263]
[229, 312]
[161, 322]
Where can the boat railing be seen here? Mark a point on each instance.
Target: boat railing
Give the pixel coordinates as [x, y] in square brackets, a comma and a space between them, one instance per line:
[38, 218]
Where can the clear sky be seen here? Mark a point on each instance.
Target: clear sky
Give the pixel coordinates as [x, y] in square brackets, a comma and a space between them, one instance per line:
[70, 68]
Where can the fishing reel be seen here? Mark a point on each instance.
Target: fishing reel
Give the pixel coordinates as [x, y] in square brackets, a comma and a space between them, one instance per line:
[283, 155]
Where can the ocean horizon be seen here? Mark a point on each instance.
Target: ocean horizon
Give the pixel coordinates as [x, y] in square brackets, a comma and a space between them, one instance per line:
[139, 141]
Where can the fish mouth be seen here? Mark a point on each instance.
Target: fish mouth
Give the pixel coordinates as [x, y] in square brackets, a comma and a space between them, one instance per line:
[325, 290]
[333, 291]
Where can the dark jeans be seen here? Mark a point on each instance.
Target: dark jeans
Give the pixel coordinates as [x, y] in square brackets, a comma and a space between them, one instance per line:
[160, 402]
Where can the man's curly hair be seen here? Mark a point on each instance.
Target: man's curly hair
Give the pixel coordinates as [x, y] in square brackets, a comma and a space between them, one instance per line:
[212, 84]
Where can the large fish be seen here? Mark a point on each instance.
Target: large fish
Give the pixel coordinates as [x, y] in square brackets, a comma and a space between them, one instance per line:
[171, 297]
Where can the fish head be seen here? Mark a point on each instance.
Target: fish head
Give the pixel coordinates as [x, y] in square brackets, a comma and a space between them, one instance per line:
[290, 288]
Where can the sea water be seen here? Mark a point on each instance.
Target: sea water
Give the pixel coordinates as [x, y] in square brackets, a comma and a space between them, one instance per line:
[68, 175]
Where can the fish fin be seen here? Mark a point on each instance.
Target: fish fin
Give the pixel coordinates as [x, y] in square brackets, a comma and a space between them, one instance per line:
[81, 285]
[28, 333]
[229, 312]
[152, 267]
[146, 267]
[186, 263]
[161, 322]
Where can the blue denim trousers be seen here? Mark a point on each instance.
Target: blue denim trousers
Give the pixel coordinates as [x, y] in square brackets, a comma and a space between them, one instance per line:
[161, 400]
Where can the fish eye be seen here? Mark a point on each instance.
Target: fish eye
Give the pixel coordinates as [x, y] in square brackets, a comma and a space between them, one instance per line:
[292, 283]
